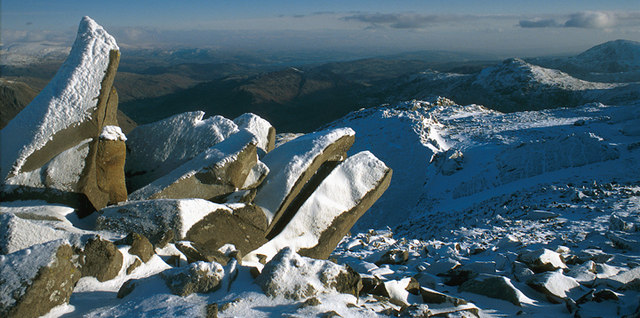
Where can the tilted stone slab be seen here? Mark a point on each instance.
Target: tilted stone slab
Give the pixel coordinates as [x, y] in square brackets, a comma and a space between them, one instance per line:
[157, 148]
[34, 280]
[154, 218]
[18, 234]
[244, 226]
[217, 171]
[294, 163]
[260, 127]
[494, 286]
[330, 212]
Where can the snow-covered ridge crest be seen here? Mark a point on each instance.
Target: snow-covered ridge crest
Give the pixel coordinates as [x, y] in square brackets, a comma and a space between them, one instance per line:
[68, 100]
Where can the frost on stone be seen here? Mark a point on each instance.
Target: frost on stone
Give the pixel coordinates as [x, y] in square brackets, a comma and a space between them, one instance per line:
[68, 101]
[217, 171]
[157, 148]
[293, 163]
[18, 234]
[154, 218]
[263, 130]
[328, 214]
[112, 133]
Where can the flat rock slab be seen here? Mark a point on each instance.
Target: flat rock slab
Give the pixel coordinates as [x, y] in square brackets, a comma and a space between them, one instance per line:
[157, 148]
[554, 285]
[296, 277]
[34, 280]
[329, 213]
[18, 234]
[494, 286]
[292, 164]
[216, 172]
[155, 218]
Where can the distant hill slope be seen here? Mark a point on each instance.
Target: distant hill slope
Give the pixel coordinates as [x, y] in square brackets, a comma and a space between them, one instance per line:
[613, 61]
[15, 95]
[513, 85]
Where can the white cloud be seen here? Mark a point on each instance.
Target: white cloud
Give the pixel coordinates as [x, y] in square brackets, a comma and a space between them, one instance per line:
[592, 20]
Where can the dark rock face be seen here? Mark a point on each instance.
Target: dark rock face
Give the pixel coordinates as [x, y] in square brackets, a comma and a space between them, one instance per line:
[110, 169]
[245, 228]
[498, 287]
[51, 286]
[100, 259]
[198, 277]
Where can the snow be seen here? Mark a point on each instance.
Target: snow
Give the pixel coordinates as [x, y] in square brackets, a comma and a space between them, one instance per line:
[18, 234]
[62, 172]
[258, 126]
[339, 192]
[258, 171]
[158, 148]
[112, 133]
[67, 100]
[153, 218]
[288, 162]
[38, 210]
[213, 158]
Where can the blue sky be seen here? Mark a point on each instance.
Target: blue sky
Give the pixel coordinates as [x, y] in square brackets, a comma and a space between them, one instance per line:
[499, 27]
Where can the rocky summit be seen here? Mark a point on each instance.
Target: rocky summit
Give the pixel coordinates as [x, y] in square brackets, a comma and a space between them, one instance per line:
[423, 208]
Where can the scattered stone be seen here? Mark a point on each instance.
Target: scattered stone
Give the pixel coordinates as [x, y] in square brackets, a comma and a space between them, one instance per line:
[494, 286]
[158, 148]
[195, 253]
[296, 277]
[311, 302]
[542, 260]
[140, 246]
[584, 273]
[426, 280]
[136, 263]
[540, 215]
[458, 276]
[620, 280]
[442, 266]
[373, 285]
[605, 294]
[623, 243]
[554, 285]
[431, 296]
[521, 272]
[47, 281]
[215, 172]
[293, 164]
[198, 277]
[595, 255]
[127, 288]
[330, 314]
[212, 311]
[394, 257]
[100, 259]
[317, 228]
[417, 311]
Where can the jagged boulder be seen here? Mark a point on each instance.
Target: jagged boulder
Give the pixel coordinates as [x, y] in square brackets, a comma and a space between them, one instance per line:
[216, 172]
[158, 148]
[317, 227]
[34, 280]
[296, 277]
[495, 286]
[70, 112]
[293, 164]
[140, 246]
[542, 260]
[198, 277]
[263, 130]
[100, 259]
[554, 285]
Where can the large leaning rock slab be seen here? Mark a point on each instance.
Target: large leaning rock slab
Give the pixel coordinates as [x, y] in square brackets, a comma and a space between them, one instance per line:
[157, 148]
[260, 127]
[495, 286]
[75, 106]
[294, 163]
[330, 212]
[34, 280]
[296, 277]
[110, 161]
[154, 218]
[554, 285]
[217, 171]
[243, 226]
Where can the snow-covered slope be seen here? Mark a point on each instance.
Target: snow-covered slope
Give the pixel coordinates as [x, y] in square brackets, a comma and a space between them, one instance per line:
[610, 57]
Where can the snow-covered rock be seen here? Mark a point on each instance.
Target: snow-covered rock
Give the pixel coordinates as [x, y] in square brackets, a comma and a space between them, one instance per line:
[542, 260]
[18, 234]
[154, 218]
[198, 277]
[260, 127]
[553, 284]
[297, 277]
[157, 148]
[35, 280]
[215, 172]
[495, 286]
[332, 209]
[292, 164]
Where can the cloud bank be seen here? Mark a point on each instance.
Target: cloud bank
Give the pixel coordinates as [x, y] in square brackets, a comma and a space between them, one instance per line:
[587, 20]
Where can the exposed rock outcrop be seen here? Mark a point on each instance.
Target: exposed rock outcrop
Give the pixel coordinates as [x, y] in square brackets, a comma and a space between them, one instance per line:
[198, 277]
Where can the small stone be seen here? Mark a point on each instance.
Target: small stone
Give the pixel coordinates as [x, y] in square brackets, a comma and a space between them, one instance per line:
[394, 257]
[330, 314]
[311, 302]
[101, 260]
[140, 246]
[136, 263]
[198, 277]
[212, 310]
[605, 294]
[127, 288]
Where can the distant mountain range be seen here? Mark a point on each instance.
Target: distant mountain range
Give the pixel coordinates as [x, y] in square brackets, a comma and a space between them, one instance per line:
[154, 84]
